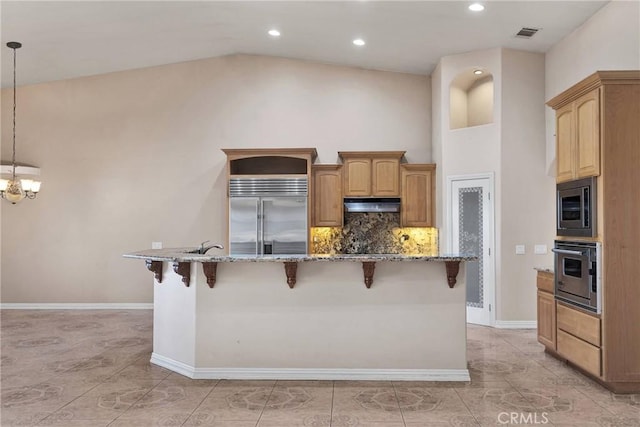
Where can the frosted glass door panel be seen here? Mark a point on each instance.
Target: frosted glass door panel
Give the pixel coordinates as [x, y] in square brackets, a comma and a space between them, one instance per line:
[470, 241]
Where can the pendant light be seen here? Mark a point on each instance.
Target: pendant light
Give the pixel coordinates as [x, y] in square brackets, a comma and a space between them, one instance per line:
[14, 190]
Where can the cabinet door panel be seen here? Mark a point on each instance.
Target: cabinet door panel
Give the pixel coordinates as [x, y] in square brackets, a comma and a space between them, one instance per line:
[357, 177]
[417, 196]
[327, 198]
[565, 152]
[587, 116]
[385, 177]
[547, 319]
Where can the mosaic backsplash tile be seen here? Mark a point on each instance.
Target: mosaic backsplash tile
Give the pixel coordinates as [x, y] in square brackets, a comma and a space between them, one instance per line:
[374, 233]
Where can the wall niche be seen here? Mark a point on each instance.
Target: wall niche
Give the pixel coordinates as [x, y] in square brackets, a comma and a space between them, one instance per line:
[471, 99]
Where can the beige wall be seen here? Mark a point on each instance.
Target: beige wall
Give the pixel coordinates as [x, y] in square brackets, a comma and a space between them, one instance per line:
[528, 194]
[469, 150]
[480, 102]
[609, 40]
[512, 147]
[458, 114]
[134, 157]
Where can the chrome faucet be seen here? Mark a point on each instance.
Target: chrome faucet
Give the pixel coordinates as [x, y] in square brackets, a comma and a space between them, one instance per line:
[203, 249]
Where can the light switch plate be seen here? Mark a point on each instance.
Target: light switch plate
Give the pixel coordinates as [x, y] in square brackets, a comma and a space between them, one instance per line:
[540, 249]
[520, 250]
[156, 245]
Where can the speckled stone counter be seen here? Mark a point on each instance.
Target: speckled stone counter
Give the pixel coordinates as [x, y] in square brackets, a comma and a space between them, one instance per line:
[183, 255]
[546, 269]
[178, 256]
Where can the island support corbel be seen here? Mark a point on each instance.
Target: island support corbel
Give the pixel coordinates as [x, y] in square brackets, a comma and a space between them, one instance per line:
[368, 267]
[291, 269]
[453, 267]
[209, 269]
[184, 270]
[156, 268]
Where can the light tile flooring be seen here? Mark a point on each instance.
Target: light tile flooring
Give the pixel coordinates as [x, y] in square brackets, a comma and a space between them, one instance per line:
[91, 368]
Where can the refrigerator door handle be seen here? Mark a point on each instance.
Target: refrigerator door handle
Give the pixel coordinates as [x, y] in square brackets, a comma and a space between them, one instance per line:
[260, 240]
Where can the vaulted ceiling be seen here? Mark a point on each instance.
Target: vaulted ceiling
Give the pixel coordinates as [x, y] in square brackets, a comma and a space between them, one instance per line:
[67, 39]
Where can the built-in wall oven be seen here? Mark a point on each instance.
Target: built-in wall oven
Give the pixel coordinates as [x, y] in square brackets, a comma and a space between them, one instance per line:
[577, 274]
[576, 212]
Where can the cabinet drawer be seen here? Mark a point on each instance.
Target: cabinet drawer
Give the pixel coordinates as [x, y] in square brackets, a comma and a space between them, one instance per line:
[579, 352]
[579, 324]
[545, 281]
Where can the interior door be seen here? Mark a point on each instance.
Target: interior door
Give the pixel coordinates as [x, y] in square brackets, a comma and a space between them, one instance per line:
[471, 231]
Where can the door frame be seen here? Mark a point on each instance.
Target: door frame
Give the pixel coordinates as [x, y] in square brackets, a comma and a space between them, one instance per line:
[490, 272]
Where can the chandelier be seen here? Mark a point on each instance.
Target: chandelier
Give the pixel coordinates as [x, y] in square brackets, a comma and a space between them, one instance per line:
[14, 189]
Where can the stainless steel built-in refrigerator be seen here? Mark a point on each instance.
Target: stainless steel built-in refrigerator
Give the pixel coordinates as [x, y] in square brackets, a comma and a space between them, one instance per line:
[267, 216]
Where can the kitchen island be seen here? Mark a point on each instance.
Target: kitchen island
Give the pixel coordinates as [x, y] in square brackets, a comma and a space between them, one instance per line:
[232, 317]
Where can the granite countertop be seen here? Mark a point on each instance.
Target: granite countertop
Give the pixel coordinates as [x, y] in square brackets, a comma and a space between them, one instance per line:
[182, 255]
[545, 269]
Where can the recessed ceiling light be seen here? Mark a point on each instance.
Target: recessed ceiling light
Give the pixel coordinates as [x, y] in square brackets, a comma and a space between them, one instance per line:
[477, 72]
[476, 7]
[274, 33]
[358, 42]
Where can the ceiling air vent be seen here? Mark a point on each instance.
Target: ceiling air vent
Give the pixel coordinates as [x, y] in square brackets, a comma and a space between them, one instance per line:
[527, 33]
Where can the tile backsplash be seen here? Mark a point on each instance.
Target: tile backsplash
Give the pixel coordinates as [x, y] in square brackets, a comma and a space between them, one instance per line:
[374, 233]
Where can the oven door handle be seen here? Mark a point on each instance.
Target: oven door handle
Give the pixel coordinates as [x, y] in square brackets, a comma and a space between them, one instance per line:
[567, 252]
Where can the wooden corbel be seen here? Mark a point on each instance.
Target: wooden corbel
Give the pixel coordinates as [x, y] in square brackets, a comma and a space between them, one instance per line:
[453, 267]
[209, 269]
[184, 270]
[291, 269]
[156, 268]
[368, 267]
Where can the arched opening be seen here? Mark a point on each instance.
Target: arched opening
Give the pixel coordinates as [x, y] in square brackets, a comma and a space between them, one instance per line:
[471, 99]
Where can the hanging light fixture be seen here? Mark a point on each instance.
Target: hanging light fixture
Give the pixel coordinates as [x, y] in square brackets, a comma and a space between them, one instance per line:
[14, 190]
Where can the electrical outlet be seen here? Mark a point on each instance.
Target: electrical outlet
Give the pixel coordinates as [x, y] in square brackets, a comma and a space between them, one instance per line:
[540, 249]
[520, 250]
[156, 245]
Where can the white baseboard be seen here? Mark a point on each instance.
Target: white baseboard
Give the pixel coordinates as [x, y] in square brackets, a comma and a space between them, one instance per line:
[76, 306]
[311, 373]
[516, 324]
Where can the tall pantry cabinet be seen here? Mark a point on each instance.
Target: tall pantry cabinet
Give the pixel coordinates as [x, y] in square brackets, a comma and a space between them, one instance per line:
[598, 134]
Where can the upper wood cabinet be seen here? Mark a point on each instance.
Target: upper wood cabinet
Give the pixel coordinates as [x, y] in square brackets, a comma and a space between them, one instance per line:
[269, 161]
[418, 194]
[357, 177]
[327, 195]
[578, 138]
[371, 173]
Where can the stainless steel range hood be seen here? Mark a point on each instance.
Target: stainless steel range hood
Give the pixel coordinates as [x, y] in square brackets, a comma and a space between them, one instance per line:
[372, 204]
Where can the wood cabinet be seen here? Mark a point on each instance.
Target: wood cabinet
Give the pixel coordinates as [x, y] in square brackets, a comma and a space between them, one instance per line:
[418, 195]
[578, 338]
[371, 173]
[546, 310]
[605, 107]
[357, 177]
[583, 325]
[578, 138]
[327, 208]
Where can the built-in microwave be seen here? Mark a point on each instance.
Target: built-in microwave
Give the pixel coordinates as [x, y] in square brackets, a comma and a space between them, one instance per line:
[576, 208]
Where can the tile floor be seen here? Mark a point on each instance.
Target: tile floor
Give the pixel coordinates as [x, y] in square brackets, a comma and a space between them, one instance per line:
[91, 368]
